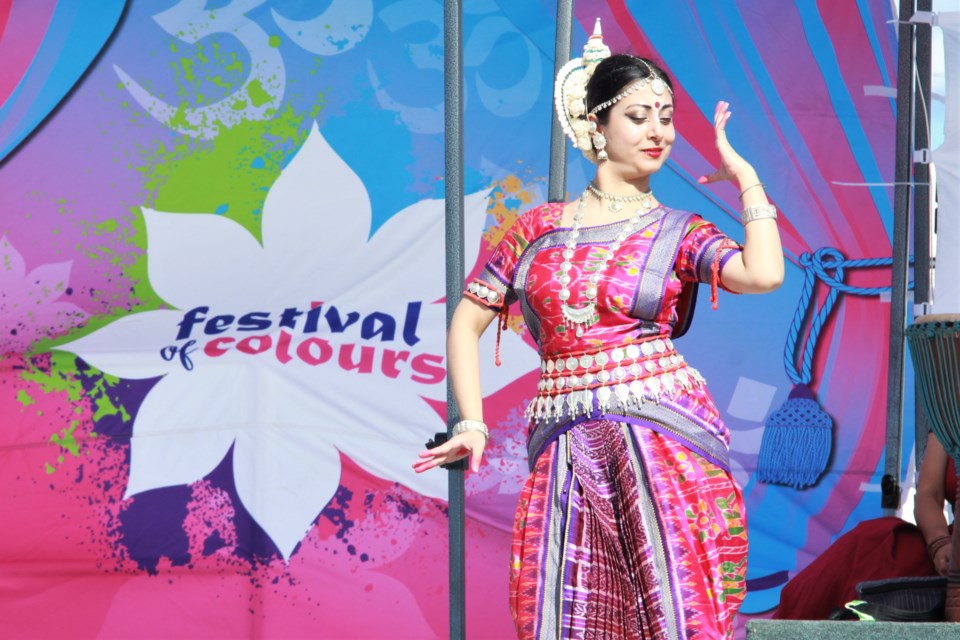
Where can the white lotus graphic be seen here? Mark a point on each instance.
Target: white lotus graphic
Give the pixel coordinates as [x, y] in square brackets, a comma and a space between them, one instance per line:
[347, 377]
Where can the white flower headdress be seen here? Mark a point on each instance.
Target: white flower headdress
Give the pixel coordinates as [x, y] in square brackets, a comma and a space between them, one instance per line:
[570, 92]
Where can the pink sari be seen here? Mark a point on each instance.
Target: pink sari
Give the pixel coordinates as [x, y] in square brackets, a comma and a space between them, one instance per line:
[630, 524]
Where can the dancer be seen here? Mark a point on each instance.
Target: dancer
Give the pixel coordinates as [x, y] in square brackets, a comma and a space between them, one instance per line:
[630, 524]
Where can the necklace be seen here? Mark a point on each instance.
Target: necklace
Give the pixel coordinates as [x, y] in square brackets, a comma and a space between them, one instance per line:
[583, 317]
[616, 202]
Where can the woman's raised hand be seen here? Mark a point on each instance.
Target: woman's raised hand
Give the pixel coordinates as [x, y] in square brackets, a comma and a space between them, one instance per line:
[469, 443]
[732, 166]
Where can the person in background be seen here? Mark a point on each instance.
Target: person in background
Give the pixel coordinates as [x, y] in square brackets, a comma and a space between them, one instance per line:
[880, 548]
[937, 483]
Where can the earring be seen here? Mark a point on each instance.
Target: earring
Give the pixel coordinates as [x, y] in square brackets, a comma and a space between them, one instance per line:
[600, 143]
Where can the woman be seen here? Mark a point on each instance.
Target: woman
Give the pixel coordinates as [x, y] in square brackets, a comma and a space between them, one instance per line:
[936, 483]
[879, 548]
[630, 524]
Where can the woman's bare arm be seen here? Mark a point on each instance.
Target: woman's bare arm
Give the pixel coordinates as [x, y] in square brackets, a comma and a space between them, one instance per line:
[928, 504]
[470, 320]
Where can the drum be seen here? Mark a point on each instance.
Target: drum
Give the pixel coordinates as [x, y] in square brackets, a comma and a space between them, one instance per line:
[934, 342]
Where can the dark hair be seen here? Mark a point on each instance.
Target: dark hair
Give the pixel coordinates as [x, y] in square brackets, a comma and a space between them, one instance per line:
[613, 74]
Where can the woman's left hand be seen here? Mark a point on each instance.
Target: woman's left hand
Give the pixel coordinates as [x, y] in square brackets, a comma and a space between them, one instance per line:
[941, 559]
[732, 166]
[469, 444]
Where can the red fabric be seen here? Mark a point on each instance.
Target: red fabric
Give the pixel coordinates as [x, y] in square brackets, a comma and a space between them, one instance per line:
[873, 550]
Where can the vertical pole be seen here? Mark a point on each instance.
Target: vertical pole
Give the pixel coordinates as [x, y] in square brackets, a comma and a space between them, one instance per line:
[890, 499]
[921, 170]
[453, 178]
[921, 203]
[557, 189]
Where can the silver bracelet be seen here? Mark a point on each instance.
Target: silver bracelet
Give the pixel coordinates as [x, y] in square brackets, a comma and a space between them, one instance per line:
[758, 212]
[471, 425]
[759, 184]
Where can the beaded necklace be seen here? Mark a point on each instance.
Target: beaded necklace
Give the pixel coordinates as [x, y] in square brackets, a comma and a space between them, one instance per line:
[616, 202]
[583, 317]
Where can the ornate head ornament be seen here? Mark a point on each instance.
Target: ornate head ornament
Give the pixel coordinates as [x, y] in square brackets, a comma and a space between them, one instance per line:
[656, 83]
[570, 92]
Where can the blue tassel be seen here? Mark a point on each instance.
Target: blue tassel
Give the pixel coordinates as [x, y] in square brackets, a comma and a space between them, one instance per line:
[796, 442]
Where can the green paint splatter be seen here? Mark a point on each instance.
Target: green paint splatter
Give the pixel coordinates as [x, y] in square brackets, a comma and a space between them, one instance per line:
[274, 41]
[201, 176]
[109, 226]
[66, 440]
[258, 95]
[187, 65]
[59, 373]
[236, 65]
[102, 401]
[179, 121]
[24, 398]
[60, 377]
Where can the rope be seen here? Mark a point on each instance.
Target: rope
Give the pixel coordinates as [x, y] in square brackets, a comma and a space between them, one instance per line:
[796, 443]
[817, 266]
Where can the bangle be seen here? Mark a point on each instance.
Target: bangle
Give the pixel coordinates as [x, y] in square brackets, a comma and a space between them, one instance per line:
[758, 212]
[471, 425]
[759, 184]
[937, 544]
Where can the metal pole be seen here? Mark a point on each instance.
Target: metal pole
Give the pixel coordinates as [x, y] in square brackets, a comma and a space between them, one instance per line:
[453, 168]
[556, 188]
[921, 203]
[890, 499]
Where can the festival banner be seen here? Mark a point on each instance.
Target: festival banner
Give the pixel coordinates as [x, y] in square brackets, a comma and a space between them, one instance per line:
[222, 295]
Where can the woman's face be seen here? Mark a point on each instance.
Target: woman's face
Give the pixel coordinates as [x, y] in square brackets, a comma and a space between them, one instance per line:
[639, 132]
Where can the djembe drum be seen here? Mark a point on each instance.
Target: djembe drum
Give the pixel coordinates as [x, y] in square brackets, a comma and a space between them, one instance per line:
[935, 350]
